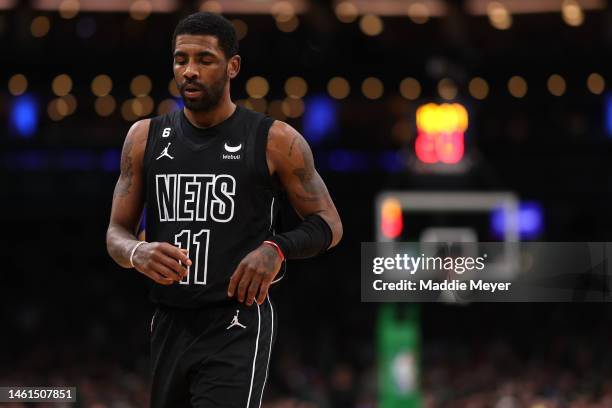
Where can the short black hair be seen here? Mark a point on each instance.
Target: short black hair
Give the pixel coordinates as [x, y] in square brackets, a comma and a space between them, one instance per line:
[204, 23]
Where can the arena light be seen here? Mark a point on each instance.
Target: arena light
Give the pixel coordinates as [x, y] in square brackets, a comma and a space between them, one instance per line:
[320, 118]
[18, 84]
[257, 87]
[479, 88]
[292, 108]
[499, 16]
[479, 7]
[441, 130]
[596, 83]
[24, 115]
[556, 85]
[392, 219]
[157, 6]
[419, 11]
[372, 88]
[410, 88]
[572, 13]
[371, 25]
[101, 85]
[40, 26]
[241, 28]
[338, 88]
[517, 86]
[61, 85]
[447, 89]
[296, 87]
[257, 7]
[530, 221]
[288, 26]
[608, 108]
[346, 11]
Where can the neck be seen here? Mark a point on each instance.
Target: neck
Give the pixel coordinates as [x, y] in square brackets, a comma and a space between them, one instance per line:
[205, 119]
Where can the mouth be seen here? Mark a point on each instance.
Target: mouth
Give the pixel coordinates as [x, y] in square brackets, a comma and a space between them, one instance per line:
[192, 91]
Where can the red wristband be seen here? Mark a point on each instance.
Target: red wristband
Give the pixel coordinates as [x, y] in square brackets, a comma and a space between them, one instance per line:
[278, 250]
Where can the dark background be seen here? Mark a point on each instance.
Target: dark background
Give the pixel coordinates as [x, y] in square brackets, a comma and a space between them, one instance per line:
[70, 316]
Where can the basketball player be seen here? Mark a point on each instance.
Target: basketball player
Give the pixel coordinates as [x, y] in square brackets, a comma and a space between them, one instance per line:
[209, 176]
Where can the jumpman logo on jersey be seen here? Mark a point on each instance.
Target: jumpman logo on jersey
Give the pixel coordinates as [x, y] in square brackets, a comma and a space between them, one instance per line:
[165, 152]
[235, 322]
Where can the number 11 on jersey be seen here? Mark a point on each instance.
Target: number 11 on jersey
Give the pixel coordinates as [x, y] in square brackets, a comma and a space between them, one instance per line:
[199, 241]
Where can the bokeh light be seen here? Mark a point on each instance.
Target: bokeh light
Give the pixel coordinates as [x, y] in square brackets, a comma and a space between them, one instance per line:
[141, 85]
[410, 88]
[105, 105]
[447, 89]
[296, 87]
[40, 26]
[69, 8]
[596, 83]
[418, 12]
[371, 25]
[479, 88]
[257, 87]
[140, 9]
[61, 85]
[372, 88]
[517, 86]
[292, 108]
[101, 85]
[241, 28]
[556, 85]
[499, 16]
[346, 12]
[17, 84]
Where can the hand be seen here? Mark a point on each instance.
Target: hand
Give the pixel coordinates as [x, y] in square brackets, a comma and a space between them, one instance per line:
[254, 275]
[160, 262]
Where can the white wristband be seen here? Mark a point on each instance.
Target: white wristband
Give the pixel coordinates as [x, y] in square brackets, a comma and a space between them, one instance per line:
[134, 250]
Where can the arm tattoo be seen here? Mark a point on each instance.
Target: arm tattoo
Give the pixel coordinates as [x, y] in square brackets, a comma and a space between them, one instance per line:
[269, 257]
[307, 177]
[291, 147]
[127, 173]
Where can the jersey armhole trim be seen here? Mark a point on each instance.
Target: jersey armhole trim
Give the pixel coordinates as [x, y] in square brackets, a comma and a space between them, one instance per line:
[261, 163]
[150, 141]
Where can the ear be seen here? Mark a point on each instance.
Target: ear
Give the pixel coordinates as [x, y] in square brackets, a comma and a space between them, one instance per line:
[233, 66]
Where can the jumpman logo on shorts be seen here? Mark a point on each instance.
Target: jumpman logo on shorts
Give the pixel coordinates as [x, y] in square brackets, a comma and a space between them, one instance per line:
[235, 322]
[165, 152]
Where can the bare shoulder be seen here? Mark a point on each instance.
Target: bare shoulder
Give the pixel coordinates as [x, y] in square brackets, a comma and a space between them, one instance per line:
[281, 133]
[286, 147]
[138, 131]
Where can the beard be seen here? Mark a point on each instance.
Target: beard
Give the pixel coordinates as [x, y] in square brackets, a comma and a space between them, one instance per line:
[210, 95]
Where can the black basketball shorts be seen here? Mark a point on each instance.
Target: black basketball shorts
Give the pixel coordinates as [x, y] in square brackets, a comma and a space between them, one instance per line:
[212, 357]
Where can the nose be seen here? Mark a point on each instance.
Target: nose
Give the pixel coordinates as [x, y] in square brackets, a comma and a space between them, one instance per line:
[190, 71]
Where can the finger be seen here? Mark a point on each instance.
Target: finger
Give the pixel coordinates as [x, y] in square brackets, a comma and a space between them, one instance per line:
[177, 253]
[166, 272]
[244, 284]
[179, 269]
[253, 288]
[159, 278]
[236, 276]
[263, 291]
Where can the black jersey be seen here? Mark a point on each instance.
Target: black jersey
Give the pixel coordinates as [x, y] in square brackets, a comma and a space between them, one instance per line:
[208, 190]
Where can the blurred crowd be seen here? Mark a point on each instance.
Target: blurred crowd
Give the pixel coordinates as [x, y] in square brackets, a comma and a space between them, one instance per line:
[535, 367]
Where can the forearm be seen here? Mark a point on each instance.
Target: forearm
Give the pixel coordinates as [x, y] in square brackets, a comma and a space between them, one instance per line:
[310, 238]
[119, 244]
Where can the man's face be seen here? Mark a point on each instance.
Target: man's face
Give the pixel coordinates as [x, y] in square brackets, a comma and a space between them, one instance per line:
[201, 71]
